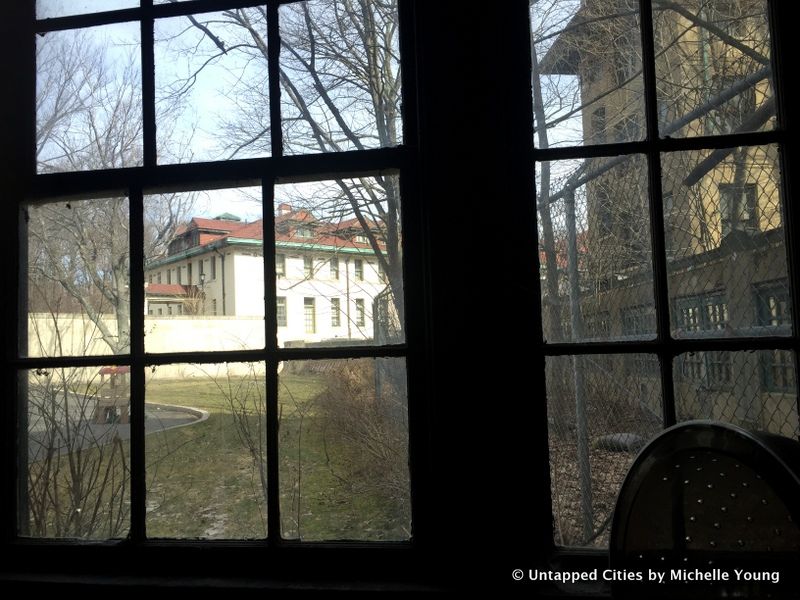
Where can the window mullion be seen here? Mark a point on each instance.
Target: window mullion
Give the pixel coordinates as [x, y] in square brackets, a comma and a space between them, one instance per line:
[137, 373]
[271, 337]
[273, 69]
[148, 85]
[657, 212]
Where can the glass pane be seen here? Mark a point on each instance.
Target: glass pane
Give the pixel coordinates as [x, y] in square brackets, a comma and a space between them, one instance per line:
[344, 450]
[204, 271]
[46, 9]
[212, 100]
[339, 262]
[206, 451]
[587, 72]
[595, 252]
[340, 75]
[74, 458]
[601, 410]
[77, 278]
[89, 99]
[713, 67]
[726, 246]
[756, 390]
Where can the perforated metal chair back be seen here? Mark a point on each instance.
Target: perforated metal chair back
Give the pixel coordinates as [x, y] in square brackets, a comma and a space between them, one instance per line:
[713, 508]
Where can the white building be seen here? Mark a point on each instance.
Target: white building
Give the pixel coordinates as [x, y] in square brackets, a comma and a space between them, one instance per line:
[327, 275]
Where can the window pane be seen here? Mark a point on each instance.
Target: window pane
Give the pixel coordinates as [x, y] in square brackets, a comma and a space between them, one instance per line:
[755, 390]
[206, 451]
[344, 450]
[595, 252]
[89, 99]
[77, 278]
[74, 456]
[587, 86]
[357, 223]
[46, 9]
[204, 271]
[713, 67]
[601, 410]
[726, 245]
[342, 76]
[212, 99]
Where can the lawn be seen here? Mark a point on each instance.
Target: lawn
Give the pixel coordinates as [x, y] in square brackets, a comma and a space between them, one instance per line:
[203, 481]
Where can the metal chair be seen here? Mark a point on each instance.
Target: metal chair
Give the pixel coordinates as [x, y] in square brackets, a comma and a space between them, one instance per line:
[716, 510]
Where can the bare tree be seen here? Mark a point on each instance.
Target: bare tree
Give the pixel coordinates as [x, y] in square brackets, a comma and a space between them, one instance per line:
[341, 90]
[89, 118]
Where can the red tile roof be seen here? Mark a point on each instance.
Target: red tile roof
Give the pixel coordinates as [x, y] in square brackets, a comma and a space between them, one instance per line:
[168, 289]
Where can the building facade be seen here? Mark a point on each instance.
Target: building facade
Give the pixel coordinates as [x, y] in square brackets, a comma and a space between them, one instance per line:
[723, 210]
[328, 275]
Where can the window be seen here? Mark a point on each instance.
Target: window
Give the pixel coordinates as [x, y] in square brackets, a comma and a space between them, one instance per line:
[334, 266]
[358, 269]
[599, 124]
[309, 315]
[360, 313]
[774, 307]
[336, 312]
[671, 277]
[737, 207]
[270, 112]
[696, 314]
[280, 308]
[361, 238]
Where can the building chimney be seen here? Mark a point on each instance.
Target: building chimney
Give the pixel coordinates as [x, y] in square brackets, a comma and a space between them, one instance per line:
[284, 209]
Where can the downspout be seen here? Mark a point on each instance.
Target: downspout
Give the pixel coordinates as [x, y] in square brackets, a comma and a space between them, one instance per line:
[222, 268]
[347, 295]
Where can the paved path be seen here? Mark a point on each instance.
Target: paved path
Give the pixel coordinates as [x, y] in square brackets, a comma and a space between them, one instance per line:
[158, 417]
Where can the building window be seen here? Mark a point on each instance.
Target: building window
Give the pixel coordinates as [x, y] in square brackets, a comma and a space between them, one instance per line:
[358, 268]
[361, 319]
[280, 265]
[158, 277]
[774, 310]
[213, 267]
[361, 238]
[303, 232]
[309, 315]
[169, 276]
[308, 267]
[336, 312]
[599, 125]
[214, 306]
[189, 273]
[334, 266]
[169, 309]
[704, 313]
[737, 207]
[160, 311]
[280, 310]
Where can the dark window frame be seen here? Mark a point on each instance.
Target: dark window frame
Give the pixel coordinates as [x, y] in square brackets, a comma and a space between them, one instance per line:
[667, 347]
[267, 172]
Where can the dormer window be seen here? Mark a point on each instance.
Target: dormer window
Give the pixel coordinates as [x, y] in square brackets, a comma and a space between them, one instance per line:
[303, 232]
[361, 238]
